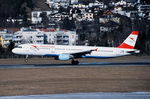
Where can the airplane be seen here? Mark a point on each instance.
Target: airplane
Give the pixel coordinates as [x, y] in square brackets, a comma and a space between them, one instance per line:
[65, 52]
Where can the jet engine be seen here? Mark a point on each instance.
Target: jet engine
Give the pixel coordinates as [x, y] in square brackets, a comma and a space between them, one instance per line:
[64, 56]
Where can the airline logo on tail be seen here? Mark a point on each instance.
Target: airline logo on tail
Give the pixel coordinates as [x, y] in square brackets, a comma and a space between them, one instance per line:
[130, 42]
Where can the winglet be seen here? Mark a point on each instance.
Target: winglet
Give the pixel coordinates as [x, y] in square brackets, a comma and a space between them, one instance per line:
[130, 41]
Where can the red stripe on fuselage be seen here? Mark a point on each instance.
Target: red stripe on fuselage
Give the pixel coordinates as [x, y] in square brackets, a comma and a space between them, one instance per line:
[44, 46]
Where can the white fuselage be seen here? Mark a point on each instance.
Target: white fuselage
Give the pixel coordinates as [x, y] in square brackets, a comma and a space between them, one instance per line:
[56, 50]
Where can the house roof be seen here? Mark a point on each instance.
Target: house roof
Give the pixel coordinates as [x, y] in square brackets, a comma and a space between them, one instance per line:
[48, 30]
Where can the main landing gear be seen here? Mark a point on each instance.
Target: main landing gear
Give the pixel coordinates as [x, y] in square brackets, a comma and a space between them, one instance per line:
[74, 62]
[26, 59]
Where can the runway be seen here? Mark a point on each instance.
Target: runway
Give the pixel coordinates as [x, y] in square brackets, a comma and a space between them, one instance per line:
[95, 64]
[123, 78]
[133, 95]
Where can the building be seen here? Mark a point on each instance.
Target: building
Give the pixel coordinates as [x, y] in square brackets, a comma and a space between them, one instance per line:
[97, 3]
[74, 1]
[144, 11]
[58, 17]
[88, 16]
[59, 37]
[5, 38]
[80, 6]
[49, 36]
[27, 35]
[36, 16]
[66, 37]
[142, 8]
[45, 36]
[121, 3]
[57, 3]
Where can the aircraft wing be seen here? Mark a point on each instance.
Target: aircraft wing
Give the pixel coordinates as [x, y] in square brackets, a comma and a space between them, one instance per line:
[82, 53]
[79, 54]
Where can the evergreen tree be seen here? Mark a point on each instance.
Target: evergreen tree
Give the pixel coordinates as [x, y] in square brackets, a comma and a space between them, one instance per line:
[68, 24]
[14, 8]
[11, 46]
[45, 19]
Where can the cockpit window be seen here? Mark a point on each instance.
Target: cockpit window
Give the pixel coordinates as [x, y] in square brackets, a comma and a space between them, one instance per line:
[18, 47]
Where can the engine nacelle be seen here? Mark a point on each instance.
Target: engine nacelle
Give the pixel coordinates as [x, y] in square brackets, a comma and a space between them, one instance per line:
[64, 57]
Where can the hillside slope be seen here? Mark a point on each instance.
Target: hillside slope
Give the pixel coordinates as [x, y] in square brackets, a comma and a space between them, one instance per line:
[40, 5]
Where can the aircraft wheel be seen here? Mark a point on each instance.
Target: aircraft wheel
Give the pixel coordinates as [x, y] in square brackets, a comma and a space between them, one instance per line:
[73, 62]
[26, 59]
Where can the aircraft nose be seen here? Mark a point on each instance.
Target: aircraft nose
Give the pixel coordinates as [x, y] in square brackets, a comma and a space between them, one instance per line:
[14, 50]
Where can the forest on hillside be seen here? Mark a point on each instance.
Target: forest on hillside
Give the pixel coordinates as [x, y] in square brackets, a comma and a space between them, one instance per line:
[15, 8]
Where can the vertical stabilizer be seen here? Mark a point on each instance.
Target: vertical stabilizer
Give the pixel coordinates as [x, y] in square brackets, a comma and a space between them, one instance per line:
[130, 41]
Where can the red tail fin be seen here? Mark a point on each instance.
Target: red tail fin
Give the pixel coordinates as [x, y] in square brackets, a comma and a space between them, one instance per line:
[130, 41]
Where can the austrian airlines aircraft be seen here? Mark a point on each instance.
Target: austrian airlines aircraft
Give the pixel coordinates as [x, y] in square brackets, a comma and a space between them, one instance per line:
[65, 52]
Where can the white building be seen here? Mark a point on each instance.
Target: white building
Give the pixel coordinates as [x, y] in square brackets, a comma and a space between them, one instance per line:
[97, 3]
[57, 3]
[66, 37]
[80, 6]
[27, 35]
[74, 1]
[60, 37]
[45, 36]
[36, 18]
[119, 10]
[50, 36]
[88, 16]
[58, 17]
[142, 8]
[121, 3]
